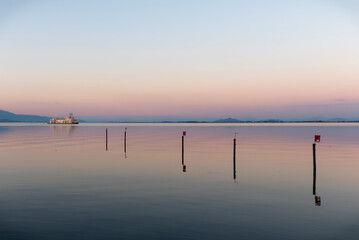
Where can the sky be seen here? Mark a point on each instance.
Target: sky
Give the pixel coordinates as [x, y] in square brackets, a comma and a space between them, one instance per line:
[177, 60]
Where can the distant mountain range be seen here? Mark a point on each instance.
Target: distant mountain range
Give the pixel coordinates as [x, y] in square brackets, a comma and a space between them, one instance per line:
[233, 120]
[227, 120]
[6, 116]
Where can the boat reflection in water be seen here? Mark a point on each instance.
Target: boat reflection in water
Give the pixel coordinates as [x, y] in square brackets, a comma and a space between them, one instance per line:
[63, 129]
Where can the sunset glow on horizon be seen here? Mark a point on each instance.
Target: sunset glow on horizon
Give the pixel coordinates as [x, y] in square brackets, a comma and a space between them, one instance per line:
[190, 59]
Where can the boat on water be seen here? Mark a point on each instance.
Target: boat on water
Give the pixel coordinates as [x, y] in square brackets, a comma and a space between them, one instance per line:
[64, 120]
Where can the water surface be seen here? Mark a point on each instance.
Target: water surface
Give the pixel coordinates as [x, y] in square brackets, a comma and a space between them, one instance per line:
[59, 182]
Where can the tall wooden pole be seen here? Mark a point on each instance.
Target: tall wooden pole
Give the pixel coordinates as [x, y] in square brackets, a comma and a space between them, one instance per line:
[234, 159]
[125, 139]
[182, 150]
[106, 139]
[314, 170]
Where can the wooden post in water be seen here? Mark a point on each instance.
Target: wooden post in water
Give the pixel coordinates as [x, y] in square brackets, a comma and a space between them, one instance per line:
[234, 158]
[182, 150]
[314, 170]
[106, 139]
[314, 157]
[184, 169]
[125, 139]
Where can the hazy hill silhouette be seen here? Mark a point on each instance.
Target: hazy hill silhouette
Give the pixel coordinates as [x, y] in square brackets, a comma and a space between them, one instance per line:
[227, 120]
[6, 116]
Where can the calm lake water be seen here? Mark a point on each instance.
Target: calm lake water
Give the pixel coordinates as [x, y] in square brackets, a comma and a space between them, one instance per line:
[59, 182]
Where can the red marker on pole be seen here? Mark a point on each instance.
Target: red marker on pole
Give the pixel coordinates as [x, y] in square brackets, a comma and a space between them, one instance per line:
[184, 133]
[317, 138]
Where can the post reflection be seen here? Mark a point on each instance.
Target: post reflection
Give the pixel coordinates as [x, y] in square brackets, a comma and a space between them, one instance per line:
[125, 142]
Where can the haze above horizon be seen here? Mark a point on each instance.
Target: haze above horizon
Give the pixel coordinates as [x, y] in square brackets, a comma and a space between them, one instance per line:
[190, 59]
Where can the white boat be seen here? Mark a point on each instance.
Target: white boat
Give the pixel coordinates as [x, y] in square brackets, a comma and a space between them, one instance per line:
[64, 120]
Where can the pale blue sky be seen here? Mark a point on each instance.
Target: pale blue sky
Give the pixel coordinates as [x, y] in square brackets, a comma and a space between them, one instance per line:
[260, 59]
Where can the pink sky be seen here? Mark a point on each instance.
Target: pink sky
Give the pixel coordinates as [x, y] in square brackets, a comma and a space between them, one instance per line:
[291, 56]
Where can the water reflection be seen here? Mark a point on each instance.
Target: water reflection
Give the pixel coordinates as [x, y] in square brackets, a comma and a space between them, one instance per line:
[81, 190]
[125, 142]
[63, 129]
[4, 129]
